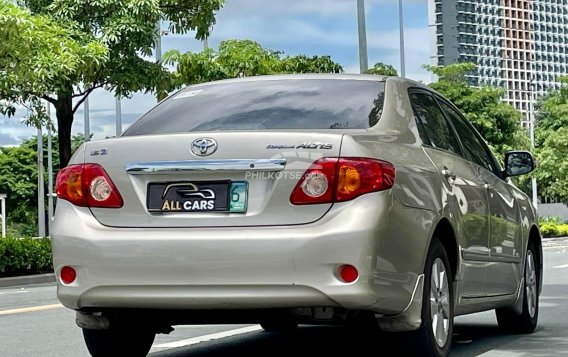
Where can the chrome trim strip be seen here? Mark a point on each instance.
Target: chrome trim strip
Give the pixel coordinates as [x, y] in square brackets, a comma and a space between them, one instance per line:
[169, 167]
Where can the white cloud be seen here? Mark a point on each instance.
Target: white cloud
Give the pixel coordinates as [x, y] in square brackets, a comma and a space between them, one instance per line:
[12, 130]
[287, 31]
[416, 40]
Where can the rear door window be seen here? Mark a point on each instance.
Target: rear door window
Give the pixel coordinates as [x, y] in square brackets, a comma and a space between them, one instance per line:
[265, 105]
[433, 127]
[475, 150]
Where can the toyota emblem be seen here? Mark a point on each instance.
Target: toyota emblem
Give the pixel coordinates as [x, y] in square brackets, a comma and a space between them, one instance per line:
[203, 146]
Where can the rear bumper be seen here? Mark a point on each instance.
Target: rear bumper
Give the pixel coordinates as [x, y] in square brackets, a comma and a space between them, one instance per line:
[243, 267]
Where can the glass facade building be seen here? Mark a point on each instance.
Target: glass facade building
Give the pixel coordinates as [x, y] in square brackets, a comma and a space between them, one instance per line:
[519, 45]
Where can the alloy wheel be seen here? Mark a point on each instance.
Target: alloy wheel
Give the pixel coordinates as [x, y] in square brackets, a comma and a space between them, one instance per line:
[531, 284]
[440, 303]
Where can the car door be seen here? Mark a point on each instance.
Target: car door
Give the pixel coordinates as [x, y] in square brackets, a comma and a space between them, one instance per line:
[505, 235]
[462, 193]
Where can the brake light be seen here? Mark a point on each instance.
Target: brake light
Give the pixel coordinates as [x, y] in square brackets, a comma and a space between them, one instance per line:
[321, 174]
[342, 179]
[87, 185]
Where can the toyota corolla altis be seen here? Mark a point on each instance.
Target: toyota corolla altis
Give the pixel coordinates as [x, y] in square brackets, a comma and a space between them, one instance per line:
[287, 200]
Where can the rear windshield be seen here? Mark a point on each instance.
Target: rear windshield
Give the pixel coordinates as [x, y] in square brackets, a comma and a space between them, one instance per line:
[267, 104]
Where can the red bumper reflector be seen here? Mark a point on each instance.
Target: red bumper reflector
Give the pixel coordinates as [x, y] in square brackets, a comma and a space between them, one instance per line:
[68, 275]
[348, 273]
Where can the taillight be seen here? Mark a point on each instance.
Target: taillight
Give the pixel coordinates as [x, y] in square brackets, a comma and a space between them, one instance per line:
[321, 174]
[342, 179]
[87, 185]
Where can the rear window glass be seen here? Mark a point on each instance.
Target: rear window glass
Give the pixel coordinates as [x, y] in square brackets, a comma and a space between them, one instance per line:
[267, 104]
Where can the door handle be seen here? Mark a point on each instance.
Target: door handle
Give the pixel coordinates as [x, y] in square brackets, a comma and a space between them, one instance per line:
[448, 174]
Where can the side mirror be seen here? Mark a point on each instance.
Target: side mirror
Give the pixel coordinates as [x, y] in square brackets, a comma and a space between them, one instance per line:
[519, 163]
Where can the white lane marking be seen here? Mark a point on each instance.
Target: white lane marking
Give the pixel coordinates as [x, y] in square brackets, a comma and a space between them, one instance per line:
[496, 353]
[13, 292]
[206, 338]
[561, 266]
[30, 309]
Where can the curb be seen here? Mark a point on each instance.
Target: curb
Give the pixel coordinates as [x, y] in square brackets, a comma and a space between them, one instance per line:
[27, 280]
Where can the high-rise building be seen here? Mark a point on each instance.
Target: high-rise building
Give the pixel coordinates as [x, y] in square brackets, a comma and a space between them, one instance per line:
[520, 45]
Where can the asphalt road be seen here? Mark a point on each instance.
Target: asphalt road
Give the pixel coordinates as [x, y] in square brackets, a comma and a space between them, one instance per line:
[32, 323]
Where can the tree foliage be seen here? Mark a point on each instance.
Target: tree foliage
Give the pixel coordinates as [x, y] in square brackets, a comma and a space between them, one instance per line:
[552, 144]
[383, 69]
[552, 112]
[306, 64]
[18, 179]
[498, 122]
[243, 58]
[37, 57]
[552, 173]
[68, 48]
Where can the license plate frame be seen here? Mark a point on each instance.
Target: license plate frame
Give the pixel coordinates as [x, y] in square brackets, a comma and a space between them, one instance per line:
[197, 197]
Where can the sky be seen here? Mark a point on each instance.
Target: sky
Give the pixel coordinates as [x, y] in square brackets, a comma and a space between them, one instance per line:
[311, 27]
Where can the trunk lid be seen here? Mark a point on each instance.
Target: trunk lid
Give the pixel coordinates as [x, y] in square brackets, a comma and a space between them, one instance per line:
[150, 170]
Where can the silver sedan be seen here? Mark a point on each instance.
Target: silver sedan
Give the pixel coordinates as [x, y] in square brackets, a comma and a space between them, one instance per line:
[295, 199]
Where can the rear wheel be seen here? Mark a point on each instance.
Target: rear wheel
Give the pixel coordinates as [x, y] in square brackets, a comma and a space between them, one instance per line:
[434, 337]
[279, 321]
[119, 342]
[526, 321]
[279, 326]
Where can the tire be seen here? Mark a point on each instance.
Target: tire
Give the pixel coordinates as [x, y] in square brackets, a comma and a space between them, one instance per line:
[525, 322]
[279, 321]
[119, 342]
[434, 336]
[279, 325]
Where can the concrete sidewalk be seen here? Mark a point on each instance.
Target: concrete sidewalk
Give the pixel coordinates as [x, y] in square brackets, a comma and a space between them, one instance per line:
[27, 280]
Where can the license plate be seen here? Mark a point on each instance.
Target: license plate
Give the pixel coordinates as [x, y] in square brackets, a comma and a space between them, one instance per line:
[217, 196]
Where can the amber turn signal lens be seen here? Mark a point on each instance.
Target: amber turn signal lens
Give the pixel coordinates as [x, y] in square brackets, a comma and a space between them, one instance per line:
[74, 186]
[349, 180]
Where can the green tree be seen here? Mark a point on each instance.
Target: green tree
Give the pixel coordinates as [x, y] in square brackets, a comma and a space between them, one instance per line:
[383, 69]
[305, 64]
[39, 56]
[552, 173]
[552, 144]
[18, 178]
[552, 112]
[62, 50]
[498, 122]
[236, 58]
[246, 58]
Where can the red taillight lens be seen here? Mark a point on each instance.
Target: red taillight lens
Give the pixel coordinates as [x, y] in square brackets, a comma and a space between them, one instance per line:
[87, 185]
[320, 176]
[342, 179]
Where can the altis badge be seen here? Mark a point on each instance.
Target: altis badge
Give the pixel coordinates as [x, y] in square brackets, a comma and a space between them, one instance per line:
[307, 145]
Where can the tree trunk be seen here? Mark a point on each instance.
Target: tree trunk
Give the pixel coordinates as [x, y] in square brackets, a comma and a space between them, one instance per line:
[64, 113]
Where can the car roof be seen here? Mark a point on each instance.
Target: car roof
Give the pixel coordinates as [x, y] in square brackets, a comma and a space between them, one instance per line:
[303, 76]
[323, 76]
